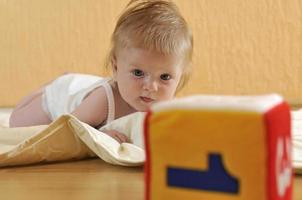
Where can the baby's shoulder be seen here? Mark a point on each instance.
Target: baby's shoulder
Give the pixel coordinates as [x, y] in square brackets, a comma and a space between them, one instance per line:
[97, 94]
[94, 108]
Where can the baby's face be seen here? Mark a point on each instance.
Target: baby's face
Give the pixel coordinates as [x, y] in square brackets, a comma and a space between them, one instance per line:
[145, 77]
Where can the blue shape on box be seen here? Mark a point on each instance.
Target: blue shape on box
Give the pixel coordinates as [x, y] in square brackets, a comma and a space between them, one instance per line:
[216, 178]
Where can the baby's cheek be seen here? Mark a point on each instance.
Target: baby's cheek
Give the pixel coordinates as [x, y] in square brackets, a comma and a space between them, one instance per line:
[172, 89]
[168, 93]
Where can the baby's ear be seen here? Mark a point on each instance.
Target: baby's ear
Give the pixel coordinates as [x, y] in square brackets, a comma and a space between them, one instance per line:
[113, 62]
[114, 66]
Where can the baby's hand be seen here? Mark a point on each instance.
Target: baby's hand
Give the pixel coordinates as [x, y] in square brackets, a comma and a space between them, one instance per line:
[120, 137]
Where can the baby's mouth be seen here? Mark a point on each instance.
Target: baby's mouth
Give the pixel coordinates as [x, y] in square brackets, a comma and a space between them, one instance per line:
[146, 99]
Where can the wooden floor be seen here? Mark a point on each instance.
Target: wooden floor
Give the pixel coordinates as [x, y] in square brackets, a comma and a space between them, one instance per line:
[88, 179]
[85, 180]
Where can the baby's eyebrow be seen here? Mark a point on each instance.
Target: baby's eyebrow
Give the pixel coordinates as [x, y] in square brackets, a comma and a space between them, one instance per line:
[135, 66]
[135, 63]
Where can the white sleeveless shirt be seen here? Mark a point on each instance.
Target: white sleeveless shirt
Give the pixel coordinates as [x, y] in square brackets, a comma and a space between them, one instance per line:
[66, 93]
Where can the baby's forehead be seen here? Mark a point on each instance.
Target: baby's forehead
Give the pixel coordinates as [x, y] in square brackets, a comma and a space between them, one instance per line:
[143, 55]
[145, 52]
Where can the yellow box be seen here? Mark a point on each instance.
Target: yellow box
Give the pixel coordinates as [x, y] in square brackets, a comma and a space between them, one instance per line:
[209, 147]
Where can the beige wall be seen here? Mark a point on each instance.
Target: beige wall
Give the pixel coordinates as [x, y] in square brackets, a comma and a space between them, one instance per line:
[241, 47]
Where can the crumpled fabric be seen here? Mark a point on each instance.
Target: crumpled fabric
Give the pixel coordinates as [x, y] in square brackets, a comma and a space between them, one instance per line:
[67, 138]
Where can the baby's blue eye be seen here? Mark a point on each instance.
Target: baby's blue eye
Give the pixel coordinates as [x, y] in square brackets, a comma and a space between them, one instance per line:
[165, 77]
[138, 73]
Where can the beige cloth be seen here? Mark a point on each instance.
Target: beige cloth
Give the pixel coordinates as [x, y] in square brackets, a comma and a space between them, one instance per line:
[67, 139]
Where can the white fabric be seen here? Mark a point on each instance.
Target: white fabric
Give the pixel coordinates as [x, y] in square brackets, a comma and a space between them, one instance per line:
[108, 148]
[297, 138]
[4, 116]
[67, 92]
[111, 104]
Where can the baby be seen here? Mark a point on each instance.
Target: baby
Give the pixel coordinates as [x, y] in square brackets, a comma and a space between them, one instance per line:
[150, 60]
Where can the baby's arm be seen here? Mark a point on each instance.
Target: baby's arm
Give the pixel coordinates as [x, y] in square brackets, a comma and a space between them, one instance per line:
[94, 110]
[120, 137]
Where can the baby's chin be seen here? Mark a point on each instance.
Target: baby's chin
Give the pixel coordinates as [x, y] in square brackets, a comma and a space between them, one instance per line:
[140, 108]
[143, 109]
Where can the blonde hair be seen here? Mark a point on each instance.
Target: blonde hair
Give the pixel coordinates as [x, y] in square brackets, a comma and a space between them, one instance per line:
[155, 25]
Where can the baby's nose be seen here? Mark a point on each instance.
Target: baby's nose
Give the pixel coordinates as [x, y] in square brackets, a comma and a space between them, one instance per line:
[150, 85]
